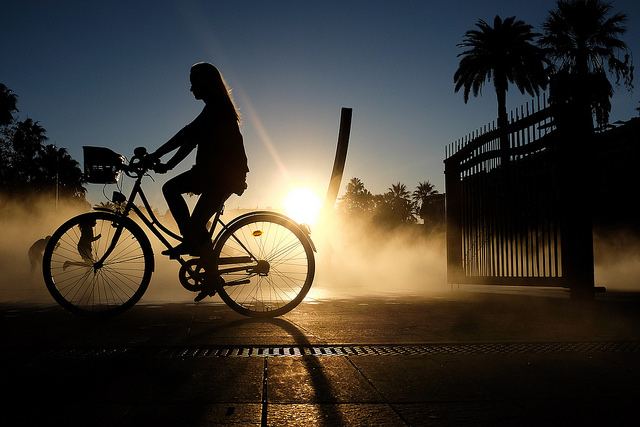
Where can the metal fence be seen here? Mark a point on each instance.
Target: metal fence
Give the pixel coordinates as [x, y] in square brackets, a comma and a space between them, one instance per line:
[506, 204]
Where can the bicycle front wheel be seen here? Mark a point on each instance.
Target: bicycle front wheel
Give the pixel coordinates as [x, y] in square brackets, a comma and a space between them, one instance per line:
[267, 264]
[83, 285]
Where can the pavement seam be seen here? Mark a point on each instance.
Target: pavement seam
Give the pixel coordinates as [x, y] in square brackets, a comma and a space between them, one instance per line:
[193, 319]
[377, 391]
[265, 379]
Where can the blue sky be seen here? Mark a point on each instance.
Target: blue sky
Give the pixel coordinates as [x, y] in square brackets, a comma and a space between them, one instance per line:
[115, 74]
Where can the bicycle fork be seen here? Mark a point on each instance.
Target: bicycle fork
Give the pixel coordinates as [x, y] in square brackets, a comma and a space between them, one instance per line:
[114, 242]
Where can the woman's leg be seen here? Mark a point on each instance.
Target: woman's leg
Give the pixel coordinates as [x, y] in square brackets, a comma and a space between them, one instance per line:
[208, 204]
[173, 191]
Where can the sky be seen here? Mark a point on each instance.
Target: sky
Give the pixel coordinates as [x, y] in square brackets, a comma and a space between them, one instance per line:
[116, 74]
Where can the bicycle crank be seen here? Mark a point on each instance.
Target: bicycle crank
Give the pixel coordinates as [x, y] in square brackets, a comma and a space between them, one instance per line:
[192, 275]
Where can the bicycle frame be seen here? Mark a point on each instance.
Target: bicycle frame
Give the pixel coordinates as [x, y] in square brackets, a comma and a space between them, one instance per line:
[157, 228]
[260, 263]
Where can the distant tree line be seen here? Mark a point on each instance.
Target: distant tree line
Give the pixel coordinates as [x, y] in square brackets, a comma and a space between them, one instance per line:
[28, 165]
[395, 207]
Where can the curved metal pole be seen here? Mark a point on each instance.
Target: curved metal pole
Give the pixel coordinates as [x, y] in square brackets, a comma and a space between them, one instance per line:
[341, 157]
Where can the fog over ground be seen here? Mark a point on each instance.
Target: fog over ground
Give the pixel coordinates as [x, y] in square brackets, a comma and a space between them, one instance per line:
[353, 259]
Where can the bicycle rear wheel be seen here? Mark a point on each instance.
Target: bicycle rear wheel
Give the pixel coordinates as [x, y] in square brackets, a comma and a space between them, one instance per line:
[77, 281]
[267, 264]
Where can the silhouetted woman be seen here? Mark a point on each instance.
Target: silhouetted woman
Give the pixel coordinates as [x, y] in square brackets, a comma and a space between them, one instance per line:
[221, 163]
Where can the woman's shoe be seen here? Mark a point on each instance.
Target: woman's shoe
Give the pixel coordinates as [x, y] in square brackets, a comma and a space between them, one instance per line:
[175, 252]
[208, 287]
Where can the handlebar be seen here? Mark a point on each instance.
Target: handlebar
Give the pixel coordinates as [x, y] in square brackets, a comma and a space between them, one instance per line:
[140, 163]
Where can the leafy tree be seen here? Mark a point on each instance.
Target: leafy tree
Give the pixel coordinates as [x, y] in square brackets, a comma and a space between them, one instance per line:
[58, 171]
[26, 144]
[357, 199]
[581, 38]
[504, 53]
[8, 105]
[395, 206]
[28, 166]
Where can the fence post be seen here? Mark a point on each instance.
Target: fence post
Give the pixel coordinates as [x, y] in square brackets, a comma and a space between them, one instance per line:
[453, 215]
[575, 155]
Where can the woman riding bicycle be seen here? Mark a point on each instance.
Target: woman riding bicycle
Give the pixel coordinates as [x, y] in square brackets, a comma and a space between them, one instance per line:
[221, 163]
[99, 264]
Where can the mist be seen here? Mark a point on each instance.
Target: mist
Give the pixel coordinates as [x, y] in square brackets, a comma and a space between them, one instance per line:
[358, 257]
[354, 259]
[22, 223]
[617, 260]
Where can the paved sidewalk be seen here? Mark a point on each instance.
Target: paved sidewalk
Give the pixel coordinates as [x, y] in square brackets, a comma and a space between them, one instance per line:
[480, 357]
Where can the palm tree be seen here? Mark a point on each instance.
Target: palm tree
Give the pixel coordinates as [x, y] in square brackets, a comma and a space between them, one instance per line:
[582, 41]
[399, 191]
[505, 54]
[421, 194]
[60, 171]
[8, 102]
[27, 143]
[400, 203]
[8, 105]
[357, 199]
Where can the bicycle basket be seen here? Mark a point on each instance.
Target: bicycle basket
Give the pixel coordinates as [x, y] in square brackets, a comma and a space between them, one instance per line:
[102, 165]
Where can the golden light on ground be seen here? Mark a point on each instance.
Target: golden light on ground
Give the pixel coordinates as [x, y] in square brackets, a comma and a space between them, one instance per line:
[303, 205]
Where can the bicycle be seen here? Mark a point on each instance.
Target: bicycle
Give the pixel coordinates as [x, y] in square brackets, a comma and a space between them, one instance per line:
[100, 263]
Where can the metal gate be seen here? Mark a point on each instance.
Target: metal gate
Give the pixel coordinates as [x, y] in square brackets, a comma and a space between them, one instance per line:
[515, 212]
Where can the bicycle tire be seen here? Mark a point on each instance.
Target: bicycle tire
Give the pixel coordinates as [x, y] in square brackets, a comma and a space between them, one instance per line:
[291, 265]
[71, 275]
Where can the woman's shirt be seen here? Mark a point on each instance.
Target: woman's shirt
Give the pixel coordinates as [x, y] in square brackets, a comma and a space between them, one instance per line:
[220, 151]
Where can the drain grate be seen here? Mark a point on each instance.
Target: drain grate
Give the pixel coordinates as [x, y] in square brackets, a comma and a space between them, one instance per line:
[344, 350]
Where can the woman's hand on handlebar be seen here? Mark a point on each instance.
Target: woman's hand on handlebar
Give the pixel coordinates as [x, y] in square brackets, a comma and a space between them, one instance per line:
[160, 168]
[141, 162]
[148, 161]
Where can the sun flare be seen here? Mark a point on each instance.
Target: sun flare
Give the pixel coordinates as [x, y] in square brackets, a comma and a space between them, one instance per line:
[303, 205]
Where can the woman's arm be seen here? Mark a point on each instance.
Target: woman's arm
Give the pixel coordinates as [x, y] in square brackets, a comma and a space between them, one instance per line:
[182, 141]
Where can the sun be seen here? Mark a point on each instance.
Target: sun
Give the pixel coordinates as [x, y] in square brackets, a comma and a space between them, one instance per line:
[303, 205]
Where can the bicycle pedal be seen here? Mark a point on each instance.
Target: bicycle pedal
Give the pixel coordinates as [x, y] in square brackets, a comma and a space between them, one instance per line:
[202, 295]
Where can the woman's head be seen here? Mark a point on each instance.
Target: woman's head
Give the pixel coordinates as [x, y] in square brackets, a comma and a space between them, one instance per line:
[208, 85]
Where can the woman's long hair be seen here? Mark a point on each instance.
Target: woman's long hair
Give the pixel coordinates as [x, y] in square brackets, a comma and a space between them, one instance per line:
[211, 76]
